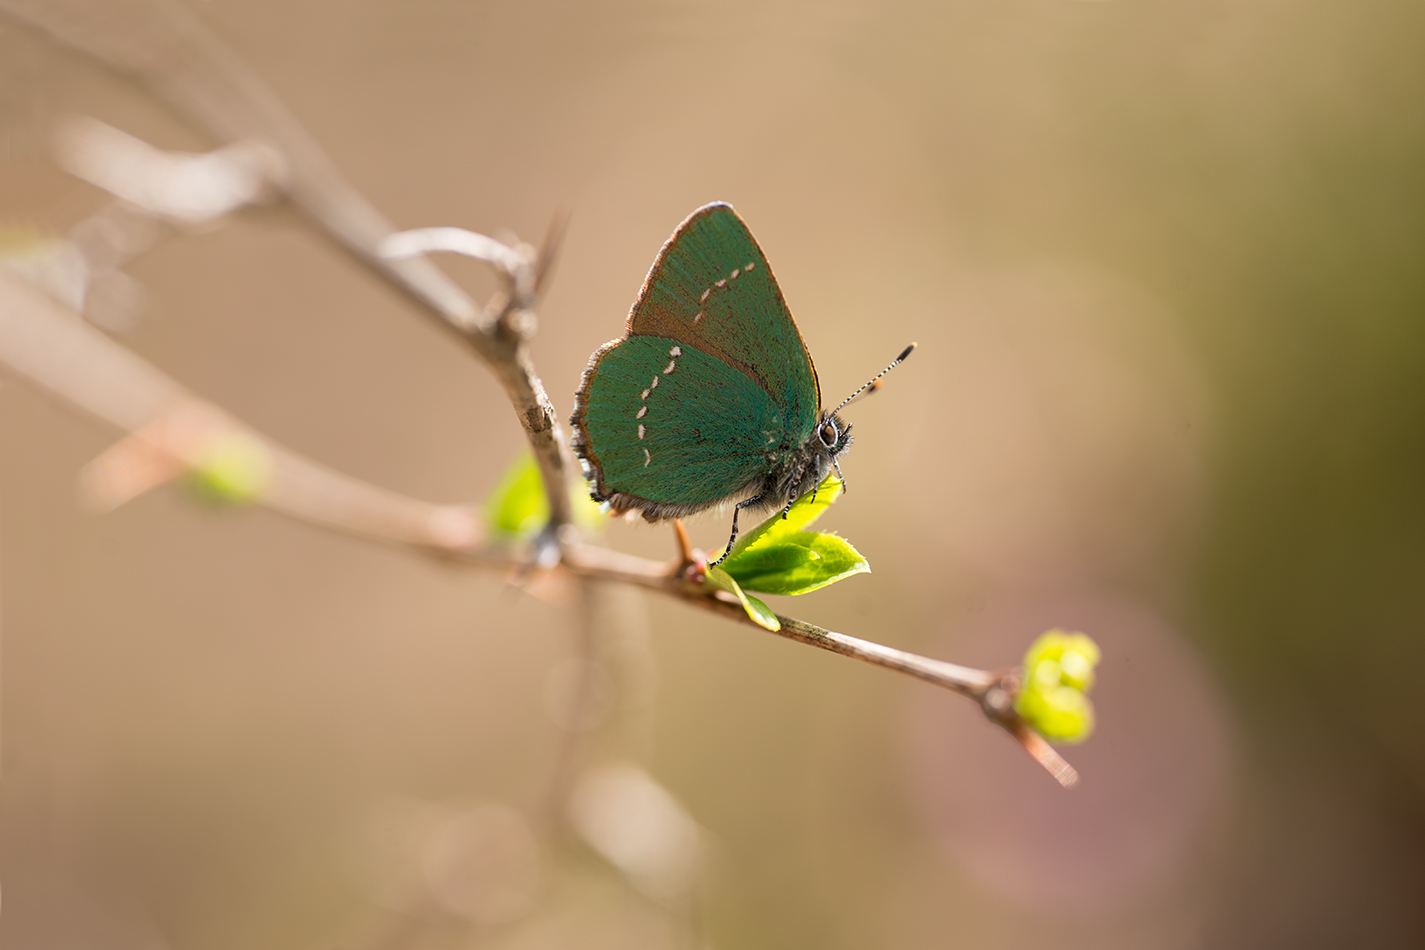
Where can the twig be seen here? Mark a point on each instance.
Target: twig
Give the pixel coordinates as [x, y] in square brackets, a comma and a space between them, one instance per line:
[686, 558]
[965, 680]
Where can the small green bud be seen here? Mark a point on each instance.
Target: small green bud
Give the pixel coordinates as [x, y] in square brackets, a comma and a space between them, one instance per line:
[234, 469]
[1058, 671]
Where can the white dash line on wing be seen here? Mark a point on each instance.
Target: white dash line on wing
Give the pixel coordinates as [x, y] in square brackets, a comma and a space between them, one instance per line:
[722, 283]
[669, 368]
[646, 458]
[642, 430]
[642, 412]
[653, 385]
[676, 351]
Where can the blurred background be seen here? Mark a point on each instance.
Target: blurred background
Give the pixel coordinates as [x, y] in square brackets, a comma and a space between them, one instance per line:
[1164, 262]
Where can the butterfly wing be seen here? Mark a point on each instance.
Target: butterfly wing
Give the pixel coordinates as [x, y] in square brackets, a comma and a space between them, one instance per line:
[669, 429]
[711, 287]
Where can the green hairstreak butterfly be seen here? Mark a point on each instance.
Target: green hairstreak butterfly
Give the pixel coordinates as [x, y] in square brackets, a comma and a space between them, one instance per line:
[711, 396]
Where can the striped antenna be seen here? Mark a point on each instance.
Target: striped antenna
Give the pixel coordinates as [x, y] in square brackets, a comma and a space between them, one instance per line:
[874, 384]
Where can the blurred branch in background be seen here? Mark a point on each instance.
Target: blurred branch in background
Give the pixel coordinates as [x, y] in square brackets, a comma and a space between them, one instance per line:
[186, 189]
[169, 51]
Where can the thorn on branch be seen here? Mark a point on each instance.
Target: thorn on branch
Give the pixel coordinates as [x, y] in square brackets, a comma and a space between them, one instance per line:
[549, 250]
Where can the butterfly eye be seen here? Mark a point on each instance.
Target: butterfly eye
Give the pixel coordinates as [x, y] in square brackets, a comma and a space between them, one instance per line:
[827, 434]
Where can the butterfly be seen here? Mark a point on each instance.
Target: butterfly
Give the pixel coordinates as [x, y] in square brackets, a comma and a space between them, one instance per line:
[711, 396]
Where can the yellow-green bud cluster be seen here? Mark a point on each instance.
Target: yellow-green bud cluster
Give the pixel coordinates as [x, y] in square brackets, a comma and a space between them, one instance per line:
[1058, 672]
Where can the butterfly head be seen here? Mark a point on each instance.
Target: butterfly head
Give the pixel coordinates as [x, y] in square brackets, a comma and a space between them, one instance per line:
[833, 437]
[829, 441]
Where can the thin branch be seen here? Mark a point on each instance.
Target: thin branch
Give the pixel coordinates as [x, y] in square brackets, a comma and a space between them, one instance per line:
[686, 557]
[965, 680]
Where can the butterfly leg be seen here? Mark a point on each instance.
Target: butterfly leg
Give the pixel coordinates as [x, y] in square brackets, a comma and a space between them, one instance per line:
[836, 464]
[747, 503]
[792, 498]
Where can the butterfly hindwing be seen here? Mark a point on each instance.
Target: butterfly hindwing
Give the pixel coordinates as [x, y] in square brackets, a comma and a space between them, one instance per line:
[668, 424]
[711, 289]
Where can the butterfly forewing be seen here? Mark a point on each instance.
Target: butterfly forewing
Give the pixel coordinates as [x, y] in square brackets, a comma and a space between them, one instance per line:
[711, 288]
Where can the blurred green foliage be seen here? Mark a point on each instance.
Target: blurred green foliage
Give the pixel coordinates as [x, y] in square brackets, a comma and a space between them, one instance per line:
[235, 469]
[518, 507]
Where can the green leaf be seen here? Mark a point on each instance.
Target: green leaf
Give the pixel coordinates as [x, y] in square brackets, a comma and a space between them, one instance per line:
[518, 508]
[797, 564]
[760, 613]
[802, 513]
[779, 557]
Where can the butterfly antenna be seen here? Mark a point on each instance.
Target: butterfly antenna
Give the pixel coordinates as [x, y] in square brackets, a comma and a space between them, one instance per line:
[874, 384]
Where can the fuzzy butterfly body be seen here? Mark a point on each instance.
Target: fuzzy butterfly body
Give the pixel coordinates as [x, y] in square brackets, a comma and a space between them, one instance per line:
[711, 396]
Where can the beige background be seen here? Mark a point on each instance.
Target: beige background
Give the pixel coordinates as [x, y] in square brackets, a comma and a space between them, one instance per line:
[1163, 261]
